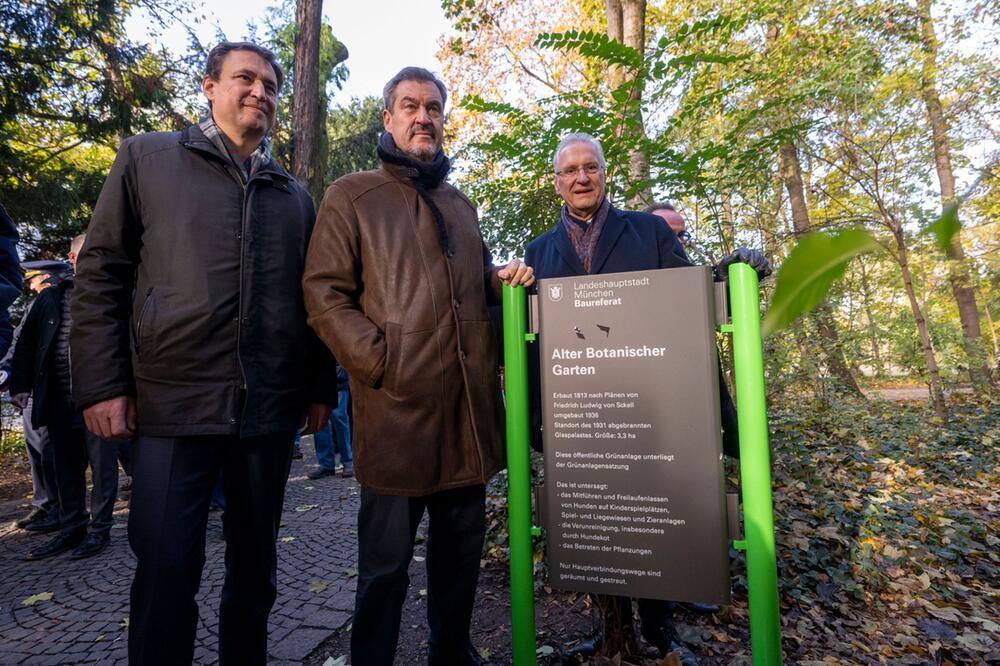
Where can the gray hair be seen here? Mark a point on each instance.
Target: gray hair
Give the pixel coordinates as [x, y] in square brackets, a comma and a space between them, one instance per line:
[659, 205]
[213, 65]
[411, 74]
[578, 137]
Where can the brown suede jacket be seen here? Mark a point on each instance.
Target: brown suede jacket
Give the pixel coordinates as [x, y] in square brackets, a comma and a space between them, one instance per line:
[410, 325]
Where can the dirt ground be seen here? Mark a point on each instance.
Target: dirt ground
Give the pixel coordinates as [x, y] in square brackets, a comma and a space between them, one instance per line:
[15, 478]
[562, 619]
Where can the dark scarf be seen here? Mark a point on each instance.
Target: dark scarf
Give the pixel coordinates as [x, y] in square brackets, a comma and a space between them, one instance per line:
[424, 176]
[584, 240]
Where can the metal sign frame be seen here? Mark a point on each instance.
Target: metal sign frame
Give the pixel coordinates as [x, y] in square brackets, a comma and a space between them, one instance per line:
[755, 471]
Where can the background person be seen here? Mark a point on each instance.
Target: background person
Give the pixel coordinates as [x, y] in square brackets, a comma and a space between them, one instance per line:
[44, 516]
[40, 368]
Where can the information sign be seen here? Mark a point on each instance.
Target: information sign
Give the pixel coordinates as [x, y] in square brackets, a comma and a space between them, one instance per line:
[634, 488]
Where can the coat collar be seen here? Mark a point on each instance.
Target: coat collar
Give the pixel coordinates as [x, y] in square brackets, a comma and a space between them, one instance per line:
[193, 138]
[613, 228]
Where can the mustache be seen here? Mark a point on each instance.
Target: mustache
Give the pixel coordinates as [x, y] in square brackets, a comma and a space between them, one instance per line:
[423, 128]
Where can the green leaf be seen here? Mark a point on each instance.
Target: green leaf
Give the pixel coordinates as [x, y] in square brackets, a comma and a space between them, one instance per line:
[317, 586]
[945, 227]
[35, 598]
[814, 264]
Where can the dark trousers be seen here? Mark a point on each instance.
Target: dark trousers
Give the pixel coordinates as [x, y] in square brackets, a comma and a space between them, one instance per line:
[72, 448]
[387, 526]
[172, 481]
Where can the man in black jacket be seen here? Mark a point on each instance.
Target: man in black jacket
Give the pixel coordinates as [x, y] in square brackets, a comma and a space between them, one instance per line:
[190, 332]
[41, 368]
[44, 515]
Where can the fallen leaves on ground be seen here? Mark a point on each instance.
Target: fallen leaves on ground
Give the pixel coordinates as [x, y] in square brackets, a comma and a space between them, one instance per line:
[887, 527]
[318, 586]
[35, 598]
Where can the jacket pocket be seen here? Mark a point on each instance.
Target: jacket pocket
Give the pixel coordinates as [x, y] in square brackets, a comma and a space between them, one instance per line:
[393, 335]
[143, 328]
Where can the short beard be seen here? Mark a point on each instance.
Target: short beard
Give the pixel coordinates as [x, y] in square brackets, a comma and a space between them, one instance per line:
[423, 155]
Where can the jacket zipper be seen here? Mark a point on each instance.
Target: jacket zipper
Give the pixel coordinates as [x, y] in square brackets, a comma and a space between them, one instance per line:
[209, 148]
[240, 317]
[239, 305]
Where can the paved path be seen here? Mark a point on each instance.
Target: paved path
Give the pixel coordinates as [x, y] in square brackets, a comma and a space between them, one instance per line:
[84, 621]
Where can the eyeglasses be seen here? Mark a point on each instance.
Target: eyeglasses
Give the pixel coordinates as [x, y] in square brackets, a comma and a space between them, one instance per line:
[574, 171]
[684, 236]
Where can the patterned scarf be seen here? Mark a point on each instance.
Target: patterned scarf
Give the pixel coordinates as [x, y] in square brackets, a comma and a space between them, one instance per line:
[585, 240]
[246, 171]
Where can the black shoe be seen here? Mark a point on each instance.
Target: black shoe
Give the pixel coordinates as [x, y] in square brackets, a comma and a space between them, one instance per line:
[92, 545]
[296, 452]
[33, 516]
[59, 544]
[699, 608]
[588, 647]
[50, 523]
[321, 473]
[348, 470]
[686, 656]
[471, 658]
[667, 641]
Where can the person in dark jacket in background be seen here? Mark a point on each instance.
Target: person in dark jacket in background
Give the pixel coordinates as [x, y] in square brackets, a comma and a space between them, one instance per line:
[592, 237]
[41, 368]
[44, 515]
[190, 333]
[730, 427]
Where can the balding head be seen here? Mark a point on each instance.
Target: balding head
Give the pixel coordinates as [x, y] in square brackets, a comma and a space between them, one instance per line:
[75, 246]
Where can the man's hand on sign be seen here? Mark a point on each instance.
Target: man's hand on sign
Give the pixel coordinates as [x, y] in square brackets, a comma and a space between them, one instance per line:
[742, 255]
[114, 418]
[517, 273]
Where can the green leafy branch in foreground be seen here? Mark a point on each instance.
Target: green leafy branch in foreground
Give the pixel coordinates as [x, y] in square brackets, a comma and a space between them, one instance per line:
[814, 264]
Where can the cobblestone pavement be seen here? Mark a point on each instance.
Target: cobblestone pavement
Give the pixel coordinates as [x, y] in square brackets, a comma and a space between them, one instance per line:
[84, 621]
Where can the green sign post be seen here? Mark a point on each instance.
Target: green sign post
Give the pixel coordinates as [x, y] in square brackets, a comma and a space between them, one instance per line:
[522, 583]
[755, 467]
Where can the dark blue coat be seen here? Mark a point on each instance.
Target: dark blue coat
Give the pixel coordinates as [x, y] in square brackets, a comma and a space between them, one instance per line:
[629, 242]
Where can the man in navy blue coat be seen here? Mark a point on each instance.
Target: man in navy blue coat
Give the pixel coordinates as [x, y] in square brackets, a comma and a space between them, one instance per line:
[593, 237]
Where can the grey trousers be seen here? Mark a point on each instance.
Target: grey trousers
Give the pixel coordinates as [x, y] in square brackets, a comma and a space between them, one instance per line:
[43, 472]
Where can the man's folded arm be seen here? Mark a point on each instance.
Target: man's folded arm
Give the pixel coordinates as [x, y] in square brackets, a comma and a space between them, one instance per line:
[102, 297]
[332, 287]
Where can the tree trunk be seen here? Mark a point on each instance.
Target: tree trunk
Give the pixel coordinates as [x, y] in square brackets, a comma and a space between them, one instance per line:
[872, 330]
[306, 109]
[958, 270]
[937, 393]
[619, 630]
[626, 21]
[790, 170]
[993, 334]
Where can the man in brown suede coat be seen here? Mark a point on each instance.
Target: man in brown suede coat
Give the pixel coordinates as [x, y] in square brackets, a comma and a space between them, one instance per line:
[397, 282]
